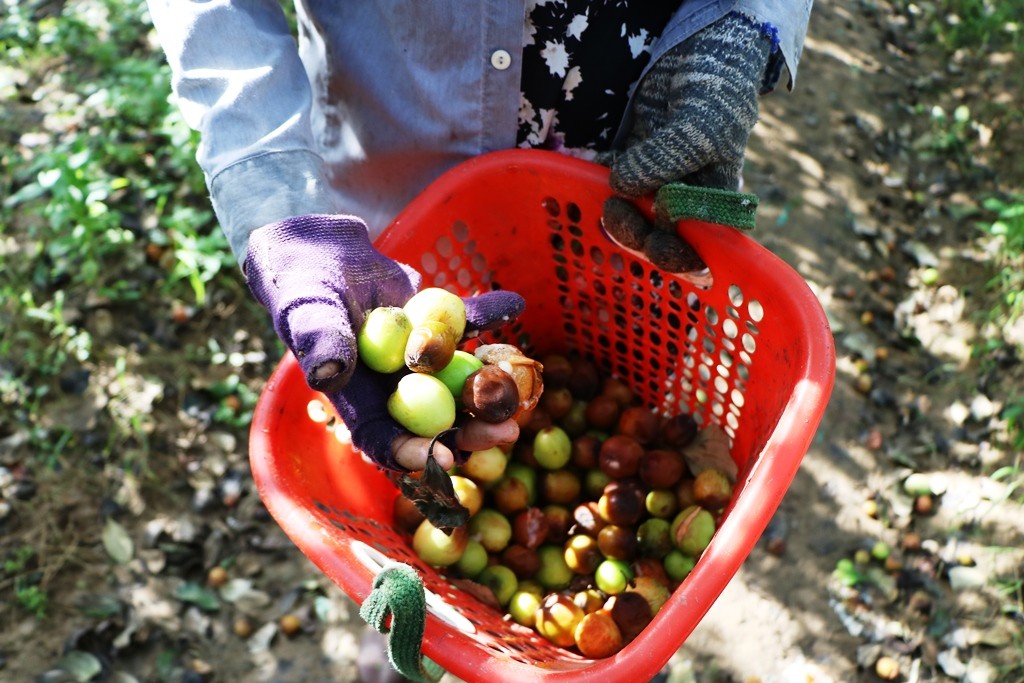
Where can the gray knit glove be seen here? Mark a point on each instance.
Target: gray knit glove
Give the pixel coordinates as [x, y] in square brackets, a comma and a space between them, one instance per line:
[693, 115]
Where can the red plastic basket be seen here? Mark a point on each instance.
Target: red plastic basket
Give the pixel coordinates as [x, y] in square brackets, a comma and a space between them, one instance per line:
[752, 353]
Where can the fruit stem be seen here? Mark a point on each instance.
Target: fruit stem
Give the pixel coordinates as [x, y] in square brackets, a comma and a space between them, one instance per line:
[438, 437]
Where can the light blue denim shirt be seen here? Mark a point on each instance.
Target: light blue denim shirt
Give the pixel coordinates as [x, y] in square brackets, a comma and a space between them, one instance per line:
[375, 99]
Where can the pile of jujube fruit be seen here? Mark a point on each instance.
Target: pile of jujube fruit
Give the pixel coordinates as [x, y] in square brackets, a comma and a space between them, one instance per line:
[582, 528]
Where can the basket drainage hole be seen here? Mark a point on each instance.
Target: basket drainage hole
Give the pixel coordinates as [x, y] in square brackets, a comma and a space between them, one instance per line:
[375, 561]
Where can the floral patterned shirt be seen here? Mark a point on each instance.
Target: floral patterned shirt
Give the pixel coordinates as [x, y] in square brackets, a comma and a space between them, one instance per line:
[580, 62]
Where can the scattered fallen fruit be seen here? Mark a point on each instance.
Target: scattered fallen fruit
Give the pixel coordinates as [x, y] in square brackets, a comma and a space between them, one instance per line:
[217, 576]
[242, 627]
[924, 505]
[289, 624]
[887, 668]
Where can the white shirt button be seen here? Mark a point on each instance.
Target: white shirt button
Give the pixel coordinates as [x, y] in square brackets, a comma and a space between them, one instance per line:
[501, 60]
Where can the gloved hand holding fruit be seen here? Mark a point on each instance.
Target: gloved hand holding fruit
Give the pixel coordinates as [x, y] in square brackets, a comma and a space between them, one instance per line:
[694, 111]
[318, 276]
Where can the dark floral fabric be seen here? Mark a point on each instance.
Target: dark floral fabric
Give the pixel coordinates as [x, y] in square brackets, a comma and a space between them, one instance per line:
[580, 61]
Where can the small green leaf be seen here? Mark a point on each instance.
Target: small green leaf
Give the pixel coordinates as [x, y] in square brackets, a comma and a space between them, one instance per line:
[48, 178]
[197, 595]
[117, 542]
[25, 194]
[235, 589]
[82, 665]
[846, 573]
[99, 606]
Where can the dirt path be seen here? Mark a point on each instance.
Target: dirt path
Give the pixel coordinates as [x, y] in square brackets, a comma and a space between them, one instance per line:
[834, 182]
[806, 163]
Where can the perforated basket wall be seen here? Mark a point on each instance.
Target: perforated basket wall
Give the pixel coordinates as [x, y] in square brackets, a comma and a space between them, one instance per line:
[751, 353]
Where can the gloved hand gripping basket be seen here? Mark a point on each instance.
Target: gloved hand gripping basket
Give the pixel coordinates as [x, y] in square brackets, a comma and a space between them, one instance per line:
[751, 353]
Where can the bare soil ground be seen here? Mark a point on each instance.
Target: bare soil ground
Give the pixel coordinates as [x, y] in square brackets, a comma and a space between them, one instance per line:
[857, 198]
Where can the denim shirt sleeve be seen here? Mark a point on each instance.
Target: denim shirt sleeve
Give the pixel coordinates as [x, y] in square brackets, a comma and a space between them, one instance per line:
[785, 20]
[238, 80]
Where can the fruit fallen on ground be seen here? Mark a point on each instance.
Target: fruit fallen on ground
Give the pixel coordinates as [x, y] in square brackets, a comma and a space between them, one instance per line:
[242, 626]
[289, 624]
[217, 576]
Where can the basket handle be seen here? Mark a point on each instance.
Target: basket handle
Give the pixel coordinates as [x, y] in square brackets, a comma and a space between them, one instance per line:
[676, 201]
[398, 596]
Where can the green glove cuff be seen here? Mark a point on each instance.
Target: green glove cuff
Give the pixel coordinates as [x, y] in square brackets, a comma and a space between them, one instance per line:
[398, 593]
[677, 201]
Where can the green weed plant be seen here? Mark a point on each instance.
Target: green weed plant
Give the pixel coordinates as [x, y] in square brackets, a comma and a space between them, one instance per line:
[102, 200]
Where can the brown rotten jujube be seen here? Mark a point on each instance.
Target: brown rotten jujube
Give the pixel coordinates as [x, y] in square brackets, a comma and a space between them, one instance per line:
[490, 394]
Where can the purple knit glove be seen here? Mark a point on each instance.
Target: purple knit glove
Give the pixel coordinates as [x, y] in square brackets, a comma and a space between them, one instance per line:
[317, 275]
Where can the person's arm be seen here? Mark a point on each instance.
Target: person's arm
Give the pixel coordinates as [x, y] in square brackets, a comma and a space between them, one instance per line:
[788, 20]
[239, 82]
[785, 21]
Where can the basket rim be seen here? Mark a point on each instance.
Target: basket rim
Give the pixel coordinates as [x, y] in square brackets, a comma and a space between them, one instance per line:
[772, 471]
